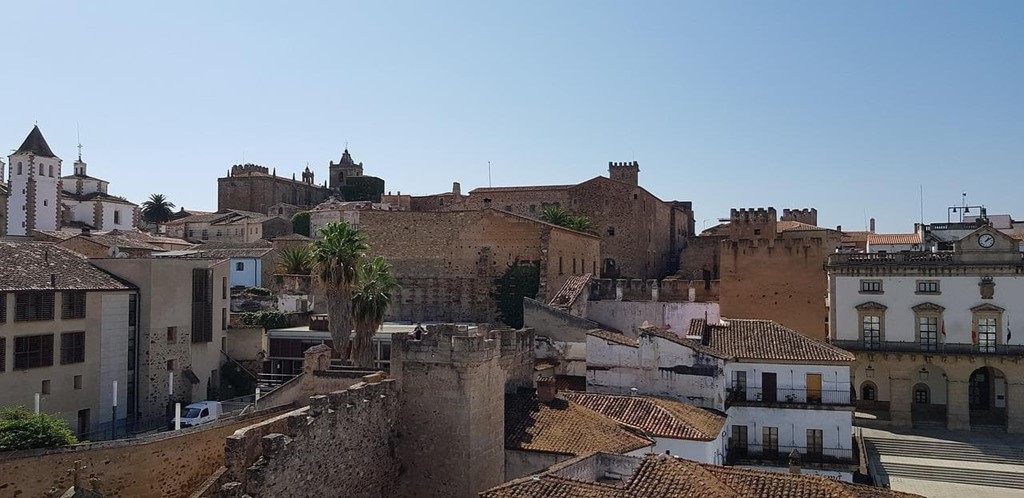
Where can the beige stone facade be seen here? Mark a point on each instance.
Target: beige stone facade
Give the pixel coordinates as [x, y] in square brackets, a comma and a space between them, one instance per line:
[231, 226]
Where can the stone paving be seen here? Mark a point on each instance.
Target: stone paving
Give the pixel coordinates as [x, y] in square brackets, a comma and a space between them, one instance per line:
[949, 464]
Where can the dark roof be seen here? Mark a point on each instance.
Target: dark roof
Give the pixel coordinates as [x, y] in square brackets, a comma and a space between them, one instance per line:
[569, 292]
[120, 240]
[44, 266]
[764, 340]
[292, 237]
[82, 177]
[524, 188]
[667, 477]
[615, 337]
[96, 195]
[202, 252]
[563, 427]
[35, 144]
[654, 416]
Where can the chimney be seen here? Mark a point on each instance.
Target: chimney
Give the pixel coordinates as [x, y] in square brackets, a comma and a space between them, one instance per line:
[456, 188]
[794, 462]
[86, 232]
[839, 228]
[871, 224]
[53, 280]
[546, 390]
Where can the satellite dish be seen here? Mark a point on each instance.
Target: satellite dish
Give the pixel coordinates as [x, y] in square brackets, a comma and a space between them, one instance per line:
[112, 252]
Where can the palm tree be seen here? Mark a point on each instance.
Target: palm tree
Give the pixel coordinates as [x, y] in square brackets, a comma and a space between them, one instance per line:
[337, 255]
[580, 224]
[296, 261]
[157, 209]
[370, 302]
[556, 215]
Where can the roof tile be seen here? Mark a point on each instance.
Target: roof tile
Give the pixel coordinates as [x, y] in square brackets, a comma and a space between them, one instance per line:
[764, 340]
[658, 417]
[44, 266]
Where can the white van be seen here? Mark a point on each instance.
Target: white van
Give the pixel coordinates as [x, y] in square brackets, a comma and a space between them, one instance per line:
[201, 413]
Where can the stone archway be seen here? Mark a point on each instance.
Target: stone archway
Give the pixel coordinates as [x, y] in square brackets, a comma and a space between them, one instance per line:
[987, 398]
[929, 397]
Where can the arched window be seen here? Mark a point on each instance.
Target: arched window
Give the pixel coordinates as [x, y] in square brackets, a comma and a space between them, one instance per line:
[868, 392]
[921, 395]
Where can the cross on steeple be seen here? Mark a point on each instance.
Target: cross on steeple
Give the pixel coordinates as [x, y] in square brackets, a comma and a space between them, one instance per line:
[79, 151]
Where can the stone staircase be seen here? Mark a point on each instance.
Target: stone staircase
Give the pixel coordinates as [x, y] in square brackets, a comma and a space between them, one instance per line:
[891, 454]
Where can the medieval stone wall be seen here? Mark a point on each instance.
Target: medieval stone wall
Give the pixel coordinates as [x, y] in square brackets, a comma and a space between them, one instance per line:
[258, 192]
[699, 255]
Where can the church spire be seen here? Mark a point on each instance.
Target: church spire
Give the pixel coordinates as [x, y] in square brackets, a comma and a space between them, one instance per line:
[35, 144]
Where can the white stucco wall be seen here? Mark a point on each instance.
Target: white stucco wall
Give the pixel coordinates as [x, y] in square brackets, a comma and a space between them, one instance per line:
[108, 216]
[792, 379]
[572, 356]
[836, 425]
[712, 452]
[114, 356]
[47, 199]
[250, 275]
[627, 316]
[957, 294]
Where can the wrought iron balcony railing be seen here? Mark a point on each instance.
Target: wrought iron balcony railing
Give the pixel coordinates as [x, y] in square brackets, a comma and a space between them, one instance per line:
[738, 395]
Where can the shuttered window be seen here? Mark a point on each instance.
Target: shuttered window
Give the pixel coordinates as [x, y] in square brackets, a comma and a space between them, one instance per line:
[3, 307]
[72, 348]
[32, 306]
[33, 351]
[3, 354]
[202, 305]
[73, 305]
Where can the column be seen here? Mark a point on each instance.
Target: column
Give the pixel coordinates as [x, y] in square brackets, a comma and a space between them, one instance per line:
[958, 408]
[1014, 407]
[900, 395]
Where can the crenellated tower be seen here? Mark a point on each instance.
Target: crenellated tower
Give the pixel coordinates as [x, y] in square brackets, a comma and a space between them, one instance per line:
[627, 172]
[752, 224]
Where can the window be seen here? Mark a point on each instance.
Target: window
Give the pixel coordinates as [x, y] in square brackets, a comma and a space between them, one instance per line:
[573, 266]
[3, 354]
[117, 217]
[72, 305]
[170, 365]
[738, 440]
[560, 272]
[3, 307]
[46, 202]
[223, 318]
[927, 286]
[921, 394]
[739, 386]
[239, 266]
[78, 382]
[611, 231]
[928, 332]
[987, 335]
[219, 232]
[31, 306]
[72, 348]
[51, 171]
[871, 328]
[45, 388]
[172, 335]
[224, 287]
[871, 286]
[206, 235]
[815, 442]
[191, 233]
[33, 351]
[868, 392]
[770, 441]
[19, 167]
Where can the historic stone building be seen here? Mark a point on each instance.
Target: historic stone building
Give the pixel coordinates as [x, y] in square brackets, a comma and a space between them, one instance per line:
[641, 235]
[249, 187]
[767, 267]
[932, 329]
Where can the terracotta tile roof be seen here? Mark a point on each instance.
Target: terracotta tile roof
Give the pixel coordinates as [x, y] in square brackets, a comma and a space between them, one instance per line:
[894, 238]
[44, 266]
[563, 427]
[797, 226]
[570, 383]
[222, 253]
[614, 337]
[569, 292]
[657, 417]
[666, 477]
[765, 340]
[121, 241]
[682, 341]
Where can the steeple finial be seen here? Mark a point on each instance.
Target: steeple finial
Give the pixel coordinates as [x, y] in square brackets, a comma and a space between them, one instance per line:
[78, 131]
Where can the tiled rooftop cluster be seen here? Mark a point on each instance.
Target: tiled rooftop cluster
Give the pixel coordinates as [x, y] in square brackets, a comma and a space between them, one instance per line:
[43, 266]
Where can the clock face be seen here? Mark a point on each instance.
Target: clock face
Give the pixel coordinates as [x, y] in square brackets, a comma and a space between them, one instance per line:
[986, 240]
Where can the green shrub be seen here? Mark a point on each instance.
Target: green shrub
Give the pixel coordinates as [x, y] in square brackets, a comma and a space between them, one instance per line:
[265, 319]
[20, 429]
[258, 291]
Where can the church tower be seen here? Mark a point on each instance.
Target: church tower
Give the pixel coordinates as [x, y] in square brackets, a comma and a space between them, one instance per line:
[34, 199]
[343, 170]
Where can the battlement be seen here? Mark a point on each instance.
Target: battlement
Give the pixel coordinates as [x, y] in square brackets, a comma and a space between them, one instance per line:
[752, 223]
[804, 215]
[241, 169]
[752, 215]
[451, 343]
[667, 290]
[627, 172]
[627, 164]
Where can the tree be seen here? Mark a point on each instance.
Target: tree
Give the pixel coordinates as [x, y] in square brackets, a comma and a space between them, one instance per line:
[580, 224]
[300, 223]
[296, 261]
[337, 254]
[20, 429]
[370, 302]
[519, 280]
[157, 209]
[556, 215]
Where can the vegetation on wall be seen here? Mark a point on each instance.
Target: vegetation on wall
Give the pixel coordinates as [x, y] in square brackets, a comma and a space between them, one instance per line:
[300, 223]
[566, 219]
[519, 280]
[20, 429]
[296, 261]
[268, 319]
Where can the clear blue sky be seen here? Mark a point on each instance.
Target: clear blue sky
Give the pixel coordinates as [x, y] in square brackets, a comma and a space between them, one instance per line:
[844, 106]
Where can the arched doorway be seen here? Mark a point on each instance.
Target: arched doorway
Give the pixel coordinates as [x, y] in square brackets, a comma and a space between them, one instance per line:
[987, 398]
[928, 397]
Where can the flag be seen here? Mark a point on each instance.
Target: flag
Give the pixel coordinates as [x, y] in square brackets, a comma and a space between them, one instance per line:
[974, 336]
[943, 330]
[1009, 333]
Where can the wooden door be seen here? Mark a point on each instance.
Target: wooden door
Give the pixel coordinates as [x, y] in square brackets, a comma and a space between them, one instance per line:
[768, 387]
[813, 388]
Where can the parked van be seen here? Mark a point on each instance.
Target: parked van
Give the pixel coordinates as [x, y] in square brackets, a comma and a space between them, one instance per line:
[200, 413]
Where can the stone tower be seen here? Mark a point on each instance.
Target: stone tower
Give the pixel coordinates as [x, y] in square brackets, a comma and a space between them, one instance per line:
[34, 199]
[451, 441]
[344, 169]
[628, 172]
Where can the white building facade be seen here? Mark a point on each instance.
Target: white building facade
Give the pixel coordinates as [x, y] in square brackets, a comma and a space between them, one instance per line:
[933, 331]
[88, 204]
[34, 187]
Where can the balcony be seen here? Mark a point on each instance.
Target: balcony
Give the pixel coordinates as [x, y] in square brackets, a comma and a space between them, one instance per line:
[779, 455]
[787, 398]
[923, 258]
[940, 349]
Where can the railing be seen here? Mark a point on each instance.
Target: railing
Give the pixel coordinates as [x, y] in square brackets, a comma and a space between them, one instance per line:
[941, 348]
[779, 455]
[919, 258]
[738, 395]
